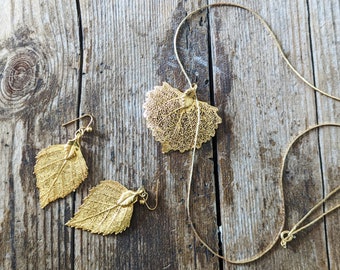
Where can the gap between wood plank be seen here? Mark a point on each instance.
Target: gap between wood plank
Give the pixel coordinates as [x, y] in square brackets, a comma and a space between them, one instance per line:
[80, 81]
[318, 131]
[214, 146]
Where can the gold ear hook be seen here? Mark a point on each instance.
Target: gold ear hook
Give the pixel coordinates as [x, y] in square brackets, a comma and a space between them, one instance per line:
[87, 128]
[156, 199]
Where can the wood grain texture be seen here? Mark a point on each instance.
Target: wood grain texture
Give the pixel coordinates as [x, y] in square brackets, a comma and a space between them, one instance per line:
[121, 62]
[325, 29]
[261, 114]
[39, 80]
[125, 49]
[265, 106]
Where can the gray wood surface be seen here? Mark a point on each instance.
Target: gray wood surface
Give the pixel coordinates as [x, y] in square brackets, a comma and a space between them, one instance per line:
[61, 59]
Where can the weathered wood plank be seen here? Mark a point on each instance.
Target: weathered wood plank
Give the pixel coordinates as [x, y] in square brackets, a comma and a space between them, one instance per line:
[325, 26]
[39, 69]
[131, 54]
[264, 106]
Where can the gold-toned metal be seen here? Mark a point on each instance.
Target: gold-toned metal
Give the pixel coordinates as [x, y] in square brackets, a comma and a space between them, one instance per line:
[108, 208]
[173, 116]
[286, 236]
[87, 128]
[146, 199]
[61, 168]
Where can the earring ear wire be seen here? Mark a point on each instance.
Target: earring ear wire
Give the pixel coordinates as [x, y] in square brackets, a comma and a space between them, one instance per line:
[156, 199]
[87, 128]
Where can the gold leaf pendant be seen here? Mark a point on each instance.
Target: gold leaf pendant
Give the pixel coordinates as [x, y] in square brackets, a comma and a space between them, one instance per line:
[108, 208]
[60, 168]
[172, 117]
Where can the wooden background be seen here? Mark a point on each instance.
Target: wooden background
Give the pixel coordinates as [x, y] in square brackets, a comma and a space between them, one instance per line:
[60, 59]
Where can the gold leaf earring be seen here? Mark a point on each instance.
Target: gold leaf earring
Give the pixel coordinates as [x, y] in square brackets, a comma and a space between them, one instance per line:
[173, 116]
[61, 168]
[108, 208]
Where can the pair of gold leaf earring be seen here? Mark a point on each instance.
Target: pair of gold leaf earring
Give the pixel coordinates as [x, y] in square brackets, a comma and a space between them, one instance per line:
[172, 116]
[61, 168]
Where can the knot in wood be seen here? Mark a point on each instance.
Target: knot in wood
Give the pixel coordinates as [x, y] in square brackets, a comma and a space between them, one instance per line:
[20, 72]
[21, 79]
